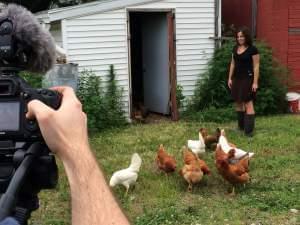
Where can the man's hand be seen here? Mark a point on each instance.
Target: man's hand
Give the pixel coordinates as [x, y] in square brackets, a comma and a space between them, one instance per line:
[65, 133]
[65, 129]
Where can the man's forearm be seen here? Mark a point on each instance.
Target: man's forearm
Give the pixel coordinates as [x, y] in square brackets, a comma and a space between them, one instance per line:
[92, 201]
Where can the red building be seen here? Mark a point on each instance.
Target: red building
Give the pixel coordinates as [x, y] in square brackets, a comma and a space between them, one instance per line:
[275, 21]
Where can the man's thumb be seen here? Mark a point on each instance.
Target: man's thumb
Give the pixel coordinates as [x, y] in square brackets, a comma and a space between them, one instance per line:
[37, 110]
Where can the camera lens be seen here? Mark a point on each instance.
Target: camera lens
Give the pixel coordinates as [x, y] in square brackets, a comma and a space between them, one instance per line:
[5, 28]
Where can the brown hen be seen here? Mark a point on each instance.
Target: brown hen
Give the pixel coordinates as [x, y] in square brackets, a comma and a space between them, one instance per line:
[234, 173]
[164, 161]
[191, 171]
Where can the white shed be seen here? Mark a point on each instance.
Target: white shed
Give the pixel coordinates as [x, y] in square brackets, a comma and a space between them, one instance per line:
[153, 45]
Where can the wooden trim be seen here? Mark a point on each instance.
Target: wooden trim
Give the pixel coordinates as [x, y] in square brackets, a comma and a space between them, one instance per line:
[130, 107]
[172, 65]
[92, 8]
[149, 9]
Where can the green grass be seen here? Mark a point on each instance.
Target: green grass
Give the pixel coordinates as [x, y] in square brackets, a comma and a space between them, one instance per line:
[160, 200]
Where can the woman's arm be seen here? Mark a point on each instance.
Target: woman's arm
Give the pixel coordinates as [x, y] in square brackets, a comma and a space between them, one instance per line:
[232, 66]
[256, 71]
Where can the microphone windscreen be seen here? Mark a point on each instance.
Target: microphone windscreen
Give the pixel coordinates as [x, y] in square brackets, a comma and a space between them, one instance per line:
[36, 42]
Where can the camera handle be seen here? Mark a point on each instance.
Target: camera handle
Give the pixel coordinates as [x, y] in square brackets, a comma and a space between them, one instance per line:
[9, 199]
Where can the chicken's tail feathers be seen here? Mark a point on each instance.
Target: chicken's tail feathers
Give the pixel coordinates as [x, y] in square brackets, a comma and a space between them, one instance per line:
[218, 133]
[112, 181]
[223, 132]
[136, 162]
[201, 138]
[247, 154]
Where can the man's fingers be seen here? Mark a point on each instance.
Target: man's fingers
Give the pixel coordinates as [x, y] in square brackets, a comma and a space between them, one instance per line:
[37, 109]
[68, 94]
[65, 91]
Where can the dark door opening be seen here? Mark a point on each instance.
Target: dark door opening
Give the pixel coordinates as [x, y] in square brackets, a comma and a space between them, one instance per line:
[151, 73]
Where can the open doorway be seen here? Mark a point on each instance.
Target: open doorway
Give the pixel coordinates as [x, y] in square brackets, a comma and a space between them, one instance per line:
[152, 62]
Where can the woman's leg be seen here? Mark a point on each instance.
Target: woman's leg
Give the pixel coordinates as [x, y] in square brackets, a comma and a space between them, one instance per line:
[240, 106]
[240, 110]
[249, 108]
[249, 118]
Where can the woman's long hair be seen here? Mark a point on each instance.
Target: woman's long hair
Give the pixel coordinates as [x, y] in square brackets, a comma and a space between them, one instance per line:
[246, 32]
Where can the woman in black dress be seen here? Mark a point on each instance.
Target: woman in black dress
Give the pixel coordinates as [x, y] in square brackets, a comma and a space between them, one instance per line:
[243, 79]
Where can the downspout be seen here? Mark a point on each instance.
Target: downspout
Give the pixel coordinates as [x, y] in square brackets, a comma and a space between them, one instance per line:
[218, 23]
[254, 17]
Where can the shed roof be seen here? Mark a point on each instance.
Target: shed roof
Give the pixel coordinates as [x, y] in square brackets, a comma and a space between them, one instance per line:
[51, 15]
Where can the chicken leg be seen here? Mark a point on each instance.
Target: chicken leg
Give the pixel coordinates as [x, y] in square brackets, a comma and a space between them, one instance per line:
[127, 189]
[190, 187]
[232, 192]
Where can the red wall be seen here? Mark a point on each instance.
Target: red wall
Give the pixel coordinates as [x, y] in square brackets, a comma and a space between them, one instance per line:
[294, 42]
[272, 26]
[237, 12]
[277, 23]
[274, 19]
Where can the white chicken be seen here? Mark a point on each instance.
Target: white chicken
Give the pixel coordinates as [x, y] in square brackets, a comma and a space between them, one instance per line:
[239, 153]
[128, 176]
[197, 147]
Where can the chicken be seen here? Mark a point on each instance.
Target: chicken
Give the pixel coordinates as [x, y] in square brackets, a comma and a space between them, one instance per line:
[128, 176]
[205, 169]
[197, 146]
[140, 113]
[226, 147]
[191, 170]
[164, 161]
[210, 140]
[190, 157]
[233, 173]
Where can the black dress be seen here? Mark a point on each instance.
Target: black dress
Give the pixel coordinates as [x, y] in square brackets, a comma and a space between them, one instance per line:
[243, 75]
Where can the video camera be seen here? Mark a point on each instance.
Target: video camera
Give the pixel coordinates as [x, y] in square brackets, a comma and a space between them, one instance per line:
[24, 45]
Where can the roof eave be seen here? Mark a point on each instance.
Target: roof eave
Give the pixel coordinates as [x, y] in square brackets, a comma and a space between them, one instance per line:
[87, 9]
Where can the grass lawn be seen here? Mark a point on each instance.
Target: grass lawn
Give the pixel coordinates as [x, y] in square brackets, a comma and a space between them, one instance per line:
[160, 200]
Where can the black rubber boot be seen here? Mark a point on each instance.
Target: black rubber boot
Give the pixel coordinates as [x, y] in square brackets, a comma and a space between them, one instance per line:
[241, 122]
[249, 124]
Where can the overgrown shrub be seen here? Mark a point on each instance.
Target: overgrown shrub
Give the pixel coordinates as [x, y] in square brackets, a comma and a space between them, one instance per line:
[113, 102]
[211, 114]
[212, 90]
[103, 108]
[179, 96]
[90, 94]
[271, 97]
[33, 79]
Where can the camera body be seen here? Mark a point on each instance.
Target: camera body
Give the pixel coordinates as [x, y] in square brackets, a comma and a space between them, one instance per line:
[17, 133]
[14, 97]
[24, 45]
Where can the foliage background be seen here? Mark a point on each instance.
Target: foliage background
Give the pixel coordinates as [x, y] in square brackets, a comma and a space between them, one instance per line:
[213, 95]
[102, 103]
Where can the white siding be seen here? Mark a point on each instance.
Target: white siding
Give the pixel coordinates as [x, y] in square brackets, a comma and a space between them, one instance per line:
[98, 40]
[55, 30]
[195, 23]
